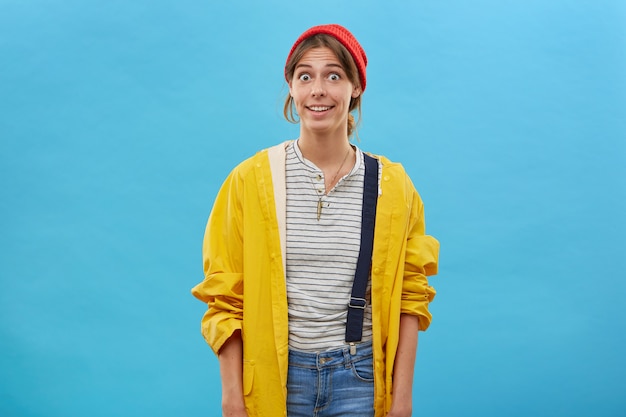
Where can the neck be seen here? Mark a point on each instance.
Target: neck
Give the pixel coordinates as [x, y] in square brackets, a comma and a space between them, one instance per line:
[323, 150]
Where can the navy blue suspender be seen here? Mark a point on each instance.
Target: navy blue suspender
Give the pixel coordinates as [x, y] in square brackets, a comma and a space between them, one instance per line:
[358, 302]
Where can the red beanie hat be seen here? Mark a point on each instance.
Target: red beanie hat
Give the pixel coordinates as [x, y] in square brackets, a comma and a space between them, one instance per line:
[346, 38]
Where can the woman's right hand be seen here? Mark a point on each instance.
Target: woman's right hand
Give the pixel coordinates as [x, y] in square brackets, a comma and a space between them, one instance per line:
[234, 409]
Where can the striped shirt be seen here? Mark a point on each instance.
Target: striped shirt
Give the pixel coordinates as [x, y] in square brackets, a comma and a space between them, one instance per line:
[322, 255]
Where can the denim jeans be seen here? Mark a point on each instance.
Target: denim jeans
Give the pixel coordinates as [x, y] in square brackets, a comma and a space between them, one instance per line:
[332, 383]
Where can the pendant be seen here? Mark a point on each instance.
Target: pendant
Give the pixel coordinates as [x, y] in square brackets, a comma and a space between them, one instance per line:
[319, 209]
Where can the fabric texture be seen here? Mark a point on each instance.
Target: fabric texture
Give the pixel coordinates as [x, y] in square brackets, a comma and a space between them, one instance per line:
[244, 265]
[346, 38]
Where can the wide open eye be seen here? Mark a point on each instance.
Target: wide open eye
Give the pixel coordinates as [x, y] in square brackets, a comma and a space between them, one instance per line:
[334, 77]
[304, 77]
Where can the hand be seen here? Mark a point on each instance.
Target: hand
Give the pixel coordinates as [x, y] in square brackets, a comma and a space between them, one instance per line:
[237, 409]
[400, 412]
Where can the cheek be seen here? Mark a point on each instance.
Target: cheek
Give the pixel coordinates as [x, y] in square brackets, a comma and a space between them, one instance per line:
[297, 100]
[342, 97]
[297, 94]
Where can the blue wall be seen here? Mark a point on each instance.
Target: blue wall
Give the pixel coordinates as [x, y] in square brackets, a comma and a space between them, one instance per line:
[119, 120]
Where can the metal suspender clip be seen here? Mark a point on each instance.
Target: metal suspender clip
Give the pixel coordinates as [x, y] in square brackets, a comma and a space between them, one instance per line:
[356, 302]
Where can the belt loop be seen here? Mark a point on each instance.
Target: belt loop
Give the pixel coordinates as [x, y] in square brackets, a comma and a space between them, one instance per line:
[347, 359]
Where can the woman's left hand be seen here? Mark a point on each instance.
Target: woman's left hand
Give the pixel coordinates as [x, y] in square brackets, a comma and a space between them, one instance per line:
[400, 411]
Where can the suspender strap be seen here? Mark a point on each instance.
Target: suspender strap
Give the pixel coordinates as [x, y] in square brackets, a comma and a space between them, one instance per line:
[357, 304]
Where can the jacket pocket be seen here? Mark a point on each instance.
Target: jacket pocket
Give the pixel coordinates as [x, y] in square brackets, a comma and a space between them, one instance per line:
[248, 376]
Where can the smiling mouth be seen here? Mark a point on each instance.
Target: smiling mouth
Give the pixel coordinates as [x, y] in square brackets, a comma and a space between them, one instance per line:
[319, 108]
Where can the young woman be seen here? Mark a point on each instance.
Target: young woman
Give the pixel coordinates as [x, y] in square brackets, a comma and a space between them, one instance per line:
[316, 258]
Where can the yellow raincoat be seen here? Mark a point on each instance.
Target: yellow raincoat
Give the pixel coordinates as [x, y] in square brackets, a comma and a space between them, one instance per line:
[244, 259]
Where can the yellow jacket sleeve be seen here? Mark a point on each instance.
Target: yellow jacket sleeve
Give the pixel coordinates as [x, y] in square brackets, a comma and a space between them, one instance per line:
[422, 252]
[222, 252]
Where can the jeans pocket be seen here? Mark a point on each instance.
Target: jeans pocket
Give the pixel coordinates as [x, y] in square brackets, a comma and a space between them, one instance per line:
[363, 369]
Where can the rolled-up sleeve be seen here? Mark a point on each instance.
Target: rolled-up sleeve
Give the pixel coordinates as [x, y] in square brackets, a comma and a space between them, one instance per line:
[222, 287]
[421, 260]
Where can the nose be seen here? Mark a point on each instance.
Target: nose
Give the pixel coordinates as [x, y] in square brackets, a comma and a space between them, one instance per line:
[317, 88]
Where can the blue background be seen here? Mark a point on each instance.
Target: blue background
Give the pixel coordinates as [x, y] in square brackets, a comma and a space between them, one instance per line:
[119, 120]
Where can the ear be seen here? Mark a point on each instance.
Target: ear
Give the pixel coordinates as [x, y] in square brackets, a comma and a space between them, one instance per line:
[356, 91]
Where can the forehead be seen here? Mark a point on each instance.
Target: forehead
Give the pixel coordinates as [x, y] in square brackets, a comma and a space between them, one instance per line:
[320, 56]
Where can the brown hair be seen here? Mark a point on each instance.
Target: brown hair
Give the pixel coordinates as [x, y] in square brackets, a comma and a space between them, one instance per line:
[346, 61]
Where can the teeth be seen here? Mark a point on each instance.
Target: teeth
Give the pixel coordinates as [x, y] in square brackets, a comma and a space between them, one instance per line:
[319, 108]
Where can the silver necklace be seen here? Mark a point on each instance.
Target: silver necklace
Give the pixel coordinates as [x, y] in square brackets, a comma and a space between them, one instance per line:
[320, 201]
